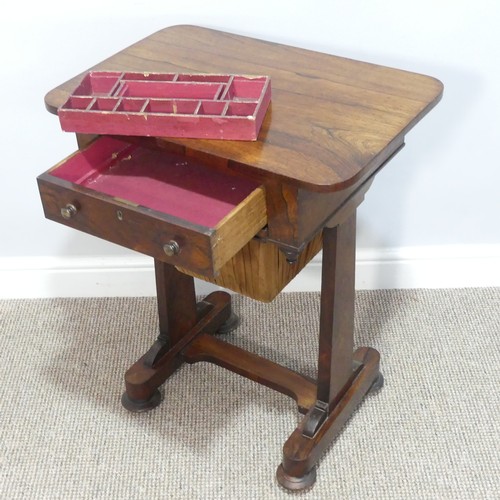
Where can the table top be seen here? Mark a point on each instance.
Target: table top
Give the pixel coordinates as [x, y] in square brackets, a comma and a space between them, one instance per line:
[331, 120]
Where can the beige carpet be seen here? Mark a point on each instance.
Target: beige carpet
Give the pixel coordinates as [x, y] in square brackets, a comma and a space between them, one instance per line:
[433, 432]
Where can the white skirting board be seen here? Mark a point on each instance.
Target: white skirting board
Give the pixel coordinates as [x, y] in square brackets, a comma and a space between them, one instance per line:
[130, 276]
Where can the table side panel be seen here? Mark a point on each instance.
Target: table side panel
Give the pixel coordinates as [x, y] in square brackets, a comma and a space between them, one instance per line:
[260, 270]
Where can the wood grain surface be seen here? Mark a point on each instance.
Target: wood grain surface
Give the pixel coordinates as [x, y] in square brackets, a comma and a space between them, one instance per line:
[331, 120]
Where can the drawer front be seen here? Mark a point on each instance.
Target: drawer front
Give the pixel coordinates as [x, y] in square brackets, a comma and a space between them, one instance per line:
[132, 227]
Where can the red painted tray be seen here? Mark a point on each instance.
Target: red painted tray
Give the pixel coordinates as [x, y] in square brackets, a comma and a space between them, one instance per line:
[205, 106]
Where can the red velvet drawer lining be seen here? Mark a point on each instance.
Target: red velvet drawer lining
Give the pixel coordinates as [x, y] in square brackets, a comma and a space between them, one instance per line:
[154, 179]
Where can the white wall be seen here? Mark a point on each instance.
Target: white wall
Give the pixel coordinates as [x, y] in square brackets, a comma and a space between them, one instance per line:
[430, 219]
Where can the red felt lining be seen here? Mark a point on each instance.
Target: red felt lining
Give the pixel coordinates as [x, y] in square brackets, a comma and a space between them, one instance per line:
[158, 180]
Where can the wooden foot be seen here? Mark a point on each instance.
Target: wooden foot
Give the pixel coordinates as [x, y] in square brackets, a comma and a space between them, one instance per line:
[227, 327]
[378, 384]
[138, 406]
[295, 483]
[302, 451]
[230, 325]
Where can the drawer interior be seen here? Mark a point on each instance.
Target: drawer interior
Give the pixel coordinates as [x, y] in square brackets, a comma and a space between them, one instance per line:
[157, 180]
[145, 198]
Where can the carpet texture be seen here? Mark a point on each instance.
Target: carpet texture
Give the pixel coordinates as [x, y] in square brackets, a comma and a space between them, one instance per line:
[433, 432]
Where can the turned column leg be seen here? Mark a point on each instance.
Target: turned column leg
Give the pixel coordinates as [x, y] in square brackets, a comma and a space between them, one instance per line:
[343, 378]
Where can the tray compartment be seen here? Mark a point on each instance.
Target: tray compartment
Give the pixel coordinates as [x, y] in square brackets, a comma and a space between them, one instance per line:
[103, 104]
[174, 90]
[97, 84]
[133, 105]
[241, 108]
[80, 102]
[212, 108]
[176, 105]
[143, 199]
[242, 88]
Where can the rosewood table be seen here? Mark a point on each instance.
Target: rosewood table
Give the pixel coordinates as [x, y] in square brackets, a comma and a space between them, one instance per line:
[254, 213]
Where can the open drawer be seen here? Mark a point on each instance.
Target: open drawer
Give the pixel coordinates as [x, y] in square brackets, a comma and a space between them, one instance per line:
[168, 206]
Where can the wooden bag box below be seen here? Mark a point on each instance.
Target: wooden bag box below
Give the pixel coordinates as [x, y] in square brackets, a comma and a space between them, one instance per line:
[260, 269]
[205, 106]
[144, 199]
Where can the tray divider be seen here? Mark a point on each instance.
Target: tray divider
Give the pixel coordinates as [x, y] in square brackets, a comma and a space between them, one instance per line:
[198, 106]
[117, 83]
[144, 106]
[118, 88]
[176, 76]
[91, 103]
[118, 102]
[218, 94]
[224, 111]
[226, 90]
